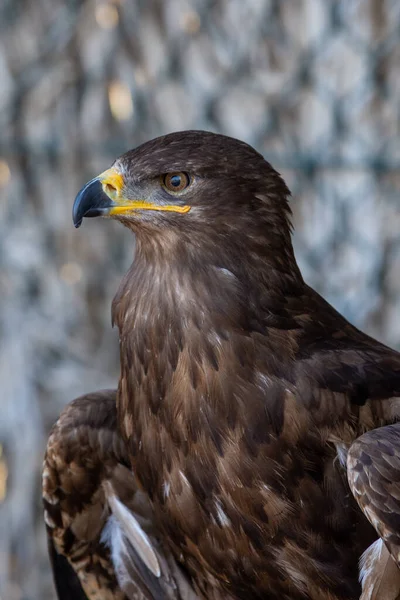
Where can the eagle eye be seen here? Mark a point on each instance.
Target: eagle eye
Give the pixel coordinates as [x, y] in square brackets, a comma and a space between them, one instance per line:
[175, 182]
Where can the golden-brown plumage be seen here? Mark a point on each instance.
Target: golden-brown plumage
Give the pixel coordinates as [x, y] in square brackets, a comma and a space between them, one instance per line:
[241, 389]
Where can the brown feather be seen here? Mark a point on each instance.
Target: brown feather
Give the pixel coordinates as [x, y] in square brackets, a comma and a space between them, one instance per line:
[380, 574]
[92, 503]
[374, 475]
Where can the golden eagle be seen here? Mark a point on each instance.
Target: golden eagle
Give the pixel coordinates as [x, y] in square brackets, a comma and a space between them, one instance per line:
[255, 421]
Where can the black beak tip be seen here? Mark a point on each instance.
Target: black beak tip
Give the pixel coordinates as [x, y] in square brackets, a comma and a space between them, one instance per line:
[77, 216]
[91, 201]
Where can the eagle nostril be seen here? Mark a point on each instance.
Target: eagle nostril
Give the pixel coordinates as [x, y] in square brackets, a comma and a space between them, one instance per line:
[110, 190]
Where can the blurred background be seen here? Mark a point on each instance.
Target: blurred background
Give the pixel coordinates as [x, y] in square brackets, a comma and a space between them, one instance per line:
[312, 84]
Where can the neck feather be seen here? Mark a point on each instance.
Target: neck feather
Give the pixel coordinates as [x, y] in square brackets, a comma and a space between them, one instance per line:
[209, 275]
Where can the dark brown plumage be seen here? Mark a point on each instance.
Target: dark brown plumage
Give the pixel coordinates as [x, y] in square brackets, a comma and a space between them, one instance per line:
[241, 389]
[86, 479]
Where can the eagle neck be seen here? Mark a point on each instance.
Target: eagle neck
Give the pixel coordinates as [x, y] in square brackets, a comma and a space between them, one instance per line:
[174, 279]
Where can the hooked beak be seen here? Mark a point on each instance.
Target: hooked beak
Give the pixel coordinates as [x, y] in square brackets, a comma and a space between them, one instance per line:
[93, 199]
[103, 196]
[91, 202]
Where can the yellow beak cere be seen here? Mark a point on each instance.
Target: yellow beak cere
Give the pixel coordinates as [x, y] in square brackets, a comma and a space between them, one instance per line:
[104, 196]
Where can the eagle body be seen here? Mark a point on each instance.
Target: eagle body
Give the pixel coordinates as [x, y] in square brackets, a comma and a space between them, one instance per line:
[233, 431]
[243, 394]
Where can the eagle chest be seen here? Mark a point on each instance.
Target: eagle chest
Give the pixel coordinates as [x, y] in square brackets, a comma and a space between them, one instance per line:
[225, 479]
[204, 438]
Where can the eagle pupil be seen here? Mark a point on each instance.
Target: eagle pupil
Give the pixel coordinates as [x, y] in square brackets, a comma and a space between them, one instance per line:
[176, 180]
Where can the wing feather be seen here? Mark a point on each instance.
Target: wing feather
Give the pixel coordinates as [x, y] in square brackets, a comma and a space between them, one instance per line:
[379, 574]
[102, 539]
[373, 469]
[66, 581]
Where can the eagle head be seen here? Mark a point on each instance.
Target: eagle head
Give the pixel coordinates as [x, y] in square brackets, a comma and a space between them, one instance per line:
[188, 180]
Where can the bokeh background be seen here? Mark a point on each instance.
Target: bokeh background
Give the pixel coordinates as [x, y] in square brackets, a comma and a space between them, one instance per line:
[313, 84]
